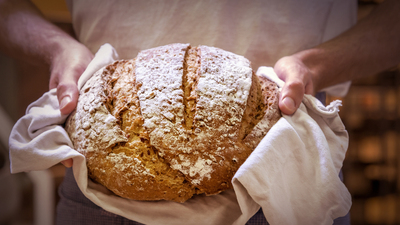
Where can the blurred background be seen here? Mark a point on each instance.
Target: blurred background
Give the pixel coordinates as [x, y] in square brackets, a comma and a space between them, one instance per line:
[370, 111]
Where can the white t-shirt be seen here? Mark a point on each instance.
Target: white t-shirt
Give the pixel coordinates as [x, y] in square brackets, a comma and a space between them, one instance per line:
[261, 30]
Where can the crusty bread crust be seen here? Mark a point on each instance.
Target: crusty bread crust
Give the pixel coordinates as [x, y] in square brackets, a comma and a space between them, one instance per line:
[173, 122]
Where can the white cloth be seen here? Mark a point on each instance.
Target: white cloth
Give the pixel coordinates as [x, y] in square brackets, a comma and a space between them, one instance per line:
[292, 174]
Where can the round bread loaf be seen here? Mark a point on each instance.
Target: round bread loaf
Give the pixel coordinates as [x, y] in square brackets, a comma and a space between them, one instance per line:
[173, 122]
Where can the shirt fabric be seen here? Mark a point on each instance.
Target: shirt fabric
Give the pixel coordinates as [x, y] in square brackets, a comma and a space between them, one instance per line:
[261, 30]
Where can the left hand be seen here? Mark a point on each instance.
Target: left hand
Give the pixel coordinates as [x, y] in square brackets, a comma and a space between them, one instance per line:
[298, 81]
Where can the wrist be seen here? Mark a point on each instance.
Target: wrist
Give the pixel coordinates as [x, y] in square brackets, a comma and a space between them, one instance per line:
[68, 61]
[58, 46]
[68, 52]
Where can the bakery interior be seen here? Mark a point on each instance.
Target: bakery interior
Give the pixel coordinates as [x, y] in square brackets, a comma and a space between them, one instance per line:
[370, 112]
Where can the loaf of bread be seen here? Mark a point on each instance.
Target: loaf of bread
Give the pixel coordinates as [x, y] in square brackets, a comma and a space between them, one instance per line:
[174, 122]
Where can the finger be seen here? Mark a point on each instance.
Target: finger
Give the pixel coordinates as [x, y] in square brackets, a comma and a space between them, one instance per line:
[67, 94]
[67, 163]
[298, 82]
[291, 96]
[287, 106]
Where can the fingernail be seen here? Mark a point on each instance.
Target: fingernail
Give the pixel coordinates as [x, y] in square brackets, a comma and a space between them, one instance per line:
[289, 104]
[65, 101]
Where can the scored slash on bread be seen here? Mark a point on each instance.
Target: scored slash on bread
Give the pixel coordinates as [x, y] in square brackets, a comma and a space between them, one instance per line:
[173, 122]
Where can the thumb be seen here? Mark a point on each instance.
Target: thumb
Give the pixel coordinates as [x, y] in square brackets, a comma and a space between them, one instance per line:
[287, 105]
[291, 97]
[298, 81]
[67, 94]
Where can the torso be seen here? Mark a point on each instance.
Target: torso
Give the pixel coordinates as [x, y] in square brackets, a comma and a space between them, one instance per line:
[261, 30]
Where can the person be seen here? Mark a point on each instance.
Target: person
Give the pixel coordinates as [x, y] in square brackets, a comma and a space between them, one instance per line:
[296, 36]
[370, 47]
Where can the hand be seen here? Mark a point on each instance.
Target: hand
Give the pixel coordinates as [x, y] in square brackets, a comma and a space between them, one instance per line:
[66, 68]
[26, 35]
[361, 51]
[298, 81]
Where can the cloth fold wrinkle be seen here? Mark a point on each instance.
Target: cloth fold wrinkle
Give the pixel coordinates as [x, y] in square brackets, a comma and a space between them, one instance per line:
[292, 174]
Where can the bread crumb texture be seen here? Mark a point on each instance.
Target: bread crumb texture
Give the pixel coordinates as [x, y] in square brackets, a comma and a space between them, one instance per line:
[173, 122]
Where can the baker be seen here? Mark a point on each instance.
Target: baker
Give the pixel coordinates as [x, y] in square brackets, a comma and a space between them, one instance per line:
[263, 31]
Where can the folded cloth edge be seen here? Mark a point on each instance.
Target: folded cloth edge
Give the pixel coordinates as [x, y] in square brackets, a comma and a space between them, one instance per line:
[104, 56]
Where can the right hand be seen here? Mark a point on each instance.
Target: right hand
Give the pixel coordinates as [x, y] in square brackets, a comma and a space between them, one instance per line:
[66, 68]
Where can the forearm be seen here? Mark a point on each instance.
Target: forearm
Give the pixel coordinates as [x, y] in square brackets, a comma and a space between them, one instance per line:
[371, 46]
[26, 35]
